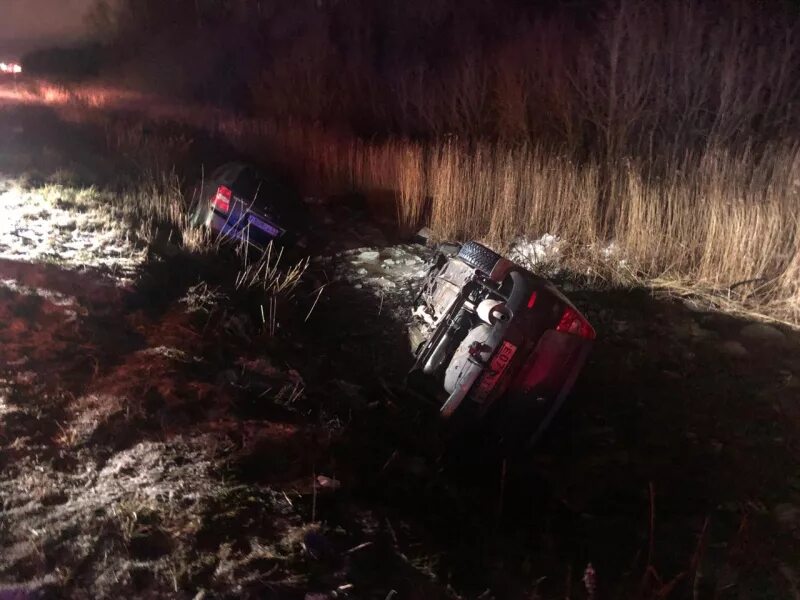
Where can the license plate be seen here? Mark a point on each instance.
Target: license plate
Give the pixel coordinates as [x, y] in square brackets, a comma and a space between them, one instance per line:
[496, 369]
[263, 225]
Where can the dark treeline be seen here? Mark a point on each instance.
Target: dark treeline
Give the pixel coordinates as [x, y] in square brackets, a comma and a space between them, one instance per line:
[614, 76]
[69, 63]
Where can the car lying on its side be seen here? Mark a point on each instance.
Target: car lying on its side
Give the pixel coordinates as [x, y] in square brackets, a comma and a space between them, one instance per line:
[504, 344]
[243, 203]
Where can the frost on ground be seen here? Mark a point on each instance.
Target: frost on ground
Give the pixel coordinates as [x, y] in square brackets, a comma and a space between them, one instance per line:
[148, 449]
[68, 226]
[391, 273]
[117, 431]
[155, 440]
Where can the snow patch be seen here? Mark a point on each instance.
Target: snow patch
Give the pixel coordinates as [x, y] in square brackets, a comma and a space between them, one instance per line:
[612, 252]
[531, 252]
[367, 256]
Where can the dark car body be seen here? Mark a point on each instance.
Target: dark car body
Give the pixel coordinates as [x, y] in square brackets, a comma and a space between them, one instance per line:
[504, 344]
[242, 202]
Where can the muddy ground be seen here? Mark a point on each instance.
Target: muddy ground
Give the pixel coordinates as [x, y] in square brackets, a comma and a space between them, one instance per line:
[159, 439]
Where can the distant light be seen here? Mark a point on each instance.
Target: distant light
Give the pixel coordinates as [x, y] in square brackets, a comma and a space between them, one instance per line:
[12, 68]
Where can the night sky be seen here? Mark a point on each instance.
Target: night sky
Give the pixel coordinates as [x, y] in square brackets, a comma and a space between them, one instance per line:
[27, 24]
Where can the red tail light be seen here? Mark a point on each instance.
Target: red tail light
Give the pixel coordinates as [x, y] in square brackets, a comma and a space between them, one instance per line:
[573, 322]
[222, 199]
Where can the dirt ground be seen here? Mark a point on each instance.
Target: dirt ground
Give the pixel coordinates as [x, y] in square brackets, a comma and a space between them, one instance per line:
[159, 439]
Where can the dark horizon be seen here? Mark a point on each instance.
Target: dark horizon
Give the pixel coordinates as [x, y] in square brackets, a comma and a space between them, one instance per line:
[34, 24]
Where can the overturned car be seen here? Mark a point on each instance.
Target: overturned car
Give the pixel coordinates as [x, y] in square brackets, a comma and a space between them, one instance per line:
[242, 203]
[504, 345]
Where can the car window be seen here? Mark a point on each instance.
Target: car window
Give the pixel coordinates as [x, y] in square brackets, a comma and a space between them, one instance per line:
[255, 186]
[280, 198]
[248, 185]
[226, 174]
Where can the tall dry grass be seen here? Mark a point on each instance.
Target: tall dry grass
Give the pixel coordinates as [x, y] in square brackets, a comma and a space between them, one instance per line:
[717, 221]
[713, 220]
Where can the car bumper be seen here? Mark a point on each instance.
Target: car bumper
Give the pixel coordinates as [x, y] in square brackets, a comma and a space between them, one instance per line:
[239, 229]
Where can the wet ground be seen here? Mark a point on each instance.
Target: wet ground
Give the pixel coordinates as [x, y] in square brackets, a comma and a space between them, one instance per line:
[158, 439]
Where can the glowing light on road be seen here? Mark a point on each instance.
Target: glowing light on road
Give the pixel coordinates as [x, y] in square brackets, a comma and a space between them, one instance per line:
[12, 68]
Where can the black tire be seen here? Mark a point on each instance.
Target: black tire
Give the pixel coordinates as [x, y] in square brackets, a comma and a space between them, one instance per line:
[479, 256]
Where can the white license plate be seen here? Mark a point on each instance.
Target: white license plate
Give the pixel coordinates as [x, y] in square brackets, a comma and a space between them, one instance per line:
[263, 225]
[496, 369]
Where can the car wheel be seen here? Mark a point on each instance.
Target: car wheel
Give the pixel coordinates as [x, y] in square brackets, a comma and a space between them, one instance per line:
[479, 256]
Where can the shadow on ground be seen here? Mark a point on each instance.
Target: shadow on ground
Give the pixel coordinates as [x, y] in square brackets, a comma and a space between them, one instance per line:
[697, 407]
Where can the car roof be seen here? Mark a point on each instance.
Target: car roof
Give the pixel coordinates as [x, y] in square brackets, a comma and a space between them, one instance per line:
[228, 172]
